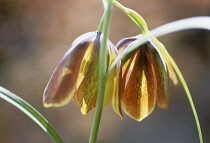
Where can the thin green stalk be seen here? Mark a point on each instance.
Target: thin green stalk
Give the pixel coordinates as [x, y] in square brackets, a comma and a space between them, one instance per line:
[100, 27]
[30, 112]
[184, 84]
[102, 72]
[184, 24]
[140, 22]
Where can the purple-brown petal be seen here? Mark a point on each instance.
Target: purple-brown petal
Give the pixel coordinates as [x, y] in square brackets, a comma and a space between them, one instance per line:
[62, 84]
[122, 44]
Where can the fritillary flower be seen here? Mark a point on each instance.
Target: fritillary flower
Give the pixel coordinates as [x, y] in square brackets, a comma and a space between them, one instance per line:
[76, 76]
[144, 79]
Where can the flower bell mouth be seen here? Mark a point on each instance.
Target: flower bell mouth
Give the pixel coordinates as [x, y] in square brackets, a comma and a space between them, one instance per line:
[144, 79]
[76, 76]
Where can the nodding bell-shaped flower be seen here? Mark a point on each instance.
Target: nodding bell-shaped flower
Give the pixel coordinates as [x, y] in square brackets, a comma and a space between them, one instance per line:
[76, 76]
[144, 79]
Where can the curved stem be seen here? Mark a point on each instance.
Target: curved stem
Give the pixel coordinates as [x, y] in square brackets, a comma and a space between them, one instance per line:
[30, 112]
[100, 27]
[184, 84]
[184, 24]
[102, 72]
[138, 19]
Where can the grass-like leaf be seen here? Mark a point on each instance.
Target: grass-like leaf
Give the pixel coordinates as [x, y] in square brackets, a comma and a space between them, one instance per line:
[31, 112]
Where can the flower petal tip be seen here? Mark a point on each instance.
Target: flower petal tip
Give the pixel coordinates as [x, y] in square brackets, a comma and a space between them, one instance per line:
[138, 120]
[163, 105]
[83, 108]
[175, 82]
[120, 115]
[47, 105]
[83, 113]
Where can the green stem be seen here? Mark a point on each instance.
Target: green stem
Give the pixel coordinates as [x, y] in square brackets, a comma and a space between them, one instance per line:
[184, 24]
[188, 96]
[30, 112]
[102, 72]
[138, 19]
[100, 27]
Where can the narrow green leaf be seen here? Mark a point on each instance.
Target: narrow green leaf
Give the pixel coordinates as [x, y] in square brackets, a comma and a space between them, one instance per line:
[30, 112]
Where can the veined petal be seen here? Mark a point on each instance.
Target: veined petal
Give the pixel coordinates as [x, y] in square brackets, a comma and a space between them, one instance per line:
[88, 77]
[139, 81]
[161, 75]
[113, 81]
[88, 86]
[122, 44]
[115, 78]
[62, 84]
[144, 78]
[171, 71]
[87, 82]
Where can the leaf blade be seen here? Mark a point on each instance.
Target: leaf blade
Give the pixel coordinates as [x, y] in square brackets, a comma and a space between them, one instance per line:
[30, 112]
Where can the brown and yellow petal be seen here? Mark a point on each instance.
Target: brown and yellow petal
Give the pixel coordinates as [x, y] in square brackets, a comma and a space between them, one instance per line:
[87, 85]
[171, 71]
[139, 85]
[161, 75]
[62, 84]
[144, 80]
[114, 81]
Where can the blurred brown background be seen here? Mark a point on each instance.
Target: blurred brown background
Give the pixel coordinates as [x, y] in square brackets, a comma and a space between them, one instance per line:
[35, 34]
